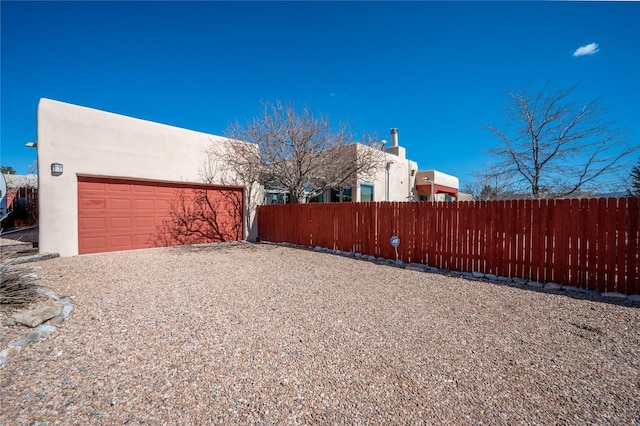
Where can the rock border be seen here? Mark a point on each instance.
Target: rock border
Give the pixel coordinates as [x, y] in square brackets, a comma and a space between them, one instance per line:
[474, 275]
[42, 332]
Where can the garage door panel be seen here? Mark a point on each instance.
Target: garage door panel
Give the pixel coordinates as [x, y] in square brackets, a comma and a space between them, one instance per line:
[118, 187]
[93, 203]
[143, 189]
[166, 190]
[94, 223]
[144, 222]
[144, 239]
[94, 244]
[95, 186]
[144, 205]
[116, 214]
[117, 223]
[122, 242]
[120, 204]
[162, 205]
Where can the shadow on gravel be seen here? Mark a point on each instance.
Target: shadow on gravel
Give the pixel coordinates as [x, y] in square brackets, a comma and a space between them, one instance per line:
[573, 295]
[227, 246]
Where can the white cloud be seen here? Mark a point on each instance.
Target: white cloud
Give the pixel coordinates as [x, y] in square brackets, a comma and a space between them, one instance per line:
[589, 49]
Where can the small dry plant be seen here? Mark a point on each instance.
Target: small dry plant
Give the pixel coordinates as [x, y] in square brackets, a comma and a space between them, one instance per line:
[17, 287]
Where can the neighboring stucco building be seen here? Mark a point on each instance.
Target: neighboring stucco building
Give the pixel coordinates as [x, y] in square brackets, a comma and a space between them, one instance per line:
[398, 179]
[393, 181]
[86, 156]
[444, 187]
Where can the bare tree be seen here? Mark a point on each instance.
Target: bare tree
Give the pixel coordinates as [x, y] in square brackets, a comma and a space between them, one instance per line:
[489, 185]
[237, 163]
[555, 147]
[634, 189]
[297, 152]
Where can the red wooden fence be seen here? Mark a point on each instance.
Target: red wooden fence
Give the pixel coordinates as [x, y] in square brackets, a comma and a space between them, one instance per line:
[587, 243]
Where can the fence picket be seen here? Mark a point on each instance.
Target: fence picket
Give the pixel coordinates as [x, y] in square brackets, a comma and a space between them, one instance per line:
[632, 283]
[602, 244]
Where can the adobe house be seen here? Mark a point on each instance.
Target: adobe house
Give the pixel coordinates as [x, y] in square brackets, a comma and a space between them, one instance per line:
[106, 180]
[398, 180]
[394, 181]
[432, 185]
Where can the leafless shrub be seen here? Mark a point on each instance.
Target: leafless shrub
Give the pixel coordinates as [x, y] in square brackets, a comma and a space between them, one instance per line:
[17, 286]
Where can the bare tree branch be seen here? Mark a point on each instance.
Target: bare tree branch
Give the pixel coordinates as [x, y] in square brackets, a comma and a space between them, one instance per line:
[552, 146]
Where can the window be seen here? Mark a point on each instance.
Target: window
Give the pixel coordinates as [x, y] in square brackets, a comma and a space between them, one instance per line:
[366, 193]
[341, 195]
[317, 199]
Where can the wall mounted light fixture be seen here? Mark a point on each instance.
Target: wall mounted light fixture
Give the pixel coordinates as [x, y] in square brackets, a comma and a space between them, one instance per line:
[56, 169]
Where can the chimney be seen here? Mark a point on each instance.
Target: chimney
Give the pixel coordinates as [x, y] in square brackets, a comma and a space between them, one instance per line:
[394, 137]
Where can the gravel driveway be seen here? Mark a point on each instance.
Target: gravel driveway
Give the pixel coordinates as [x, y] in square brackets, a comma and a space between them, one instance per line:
[242, 333]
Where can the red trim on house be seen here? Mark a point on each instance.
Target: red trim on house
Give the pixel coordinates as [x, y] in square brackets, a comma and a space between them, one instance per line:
[425, 189]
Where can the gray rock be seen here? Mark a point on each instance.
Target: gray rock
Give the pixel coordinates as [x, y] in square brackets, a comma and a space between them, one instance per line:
[317, 248]
[433, 269]
[48, 293]
[505, 279]
[399, 263]
[520, 281]
[46, 329]
[40, 313]
[468, 275]
[535, 284]
[338, 252]
[349, 254]
[33, 258]
[589, 292]
[380, 259]
[552, 286]
[570, 288]
[634, 297]
[415, 267]
[35, 336]
[66, 310]
[59, 320]
[614, 295]
[477, 274]
[358, 255]
[11, 351]
[491, 277]
[371, 258]
[19, 342]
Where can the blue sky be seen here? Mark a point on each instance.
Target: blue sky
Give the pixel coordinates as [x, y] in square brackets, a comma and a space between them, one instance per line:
[435, 70]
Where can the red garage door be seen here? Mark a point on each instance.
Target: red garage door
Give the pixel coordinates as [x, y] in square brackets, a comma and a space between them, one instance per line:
[117, 214]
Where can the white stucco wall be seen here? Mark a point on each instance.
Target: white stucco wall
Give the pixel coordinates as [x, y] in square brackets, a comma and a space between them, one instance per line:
[395, 171]
[438, 178]
[401, 182]
[92, 142]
